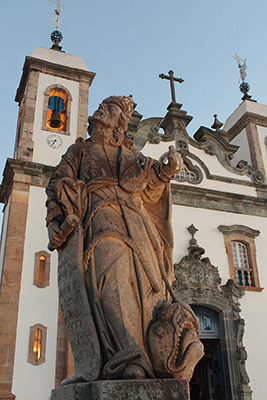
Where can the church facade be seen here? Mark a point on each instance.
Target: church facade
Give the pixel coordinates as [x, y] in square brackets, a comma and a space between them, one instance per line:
[219, 222]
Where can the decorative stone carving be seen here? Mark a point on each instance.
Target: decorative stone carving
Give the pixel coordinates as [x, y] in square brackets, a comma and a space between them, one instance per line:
[146, 131]
[214, 143]
[109, 218]
[189, 173]
[195, 273]
[175, 121]
[198, 282]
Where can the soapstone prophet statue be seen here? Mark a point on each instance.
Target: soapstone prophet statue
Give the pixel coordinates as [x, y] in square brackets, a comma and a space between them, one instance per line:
[109, 216]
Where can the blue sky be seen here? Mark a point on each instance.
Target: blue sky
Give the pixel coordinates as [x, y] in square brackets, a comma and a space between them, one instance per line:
[129, 42]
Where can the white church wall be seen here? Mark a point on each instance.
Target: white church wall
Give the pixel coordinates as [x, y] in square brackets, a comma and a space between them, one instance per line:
[226, 187]
[42, 152]
[262, 139]
[243, 152]
[156, 150]
[253, 311]
[245, 106]
[37, 305]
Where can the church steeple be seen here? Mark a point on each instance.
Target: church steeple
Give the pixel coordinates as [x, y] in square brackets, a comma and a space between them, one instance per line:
[52, 81]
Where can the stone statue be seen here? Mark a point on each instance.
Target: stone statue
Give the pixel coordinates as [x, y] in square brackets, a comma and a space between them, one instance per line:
[109, 217]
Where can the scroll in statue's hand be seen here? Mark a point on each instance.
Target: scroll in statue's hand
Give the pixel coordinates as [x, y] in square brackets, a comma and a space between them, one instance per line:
[55, 235]
[175, 162]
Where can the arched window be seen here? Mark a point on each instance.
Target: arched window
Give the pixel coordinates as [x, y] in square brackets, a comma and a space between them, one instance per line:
[241, 251]
[243, 271]
[56, 115]
[56, 110]
[37, 344]
[41, 269]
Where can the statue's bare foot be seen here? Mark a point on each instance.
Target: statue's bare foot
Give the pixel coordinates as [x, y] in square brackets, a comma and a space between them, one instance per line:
[134, 371]
[73, 379]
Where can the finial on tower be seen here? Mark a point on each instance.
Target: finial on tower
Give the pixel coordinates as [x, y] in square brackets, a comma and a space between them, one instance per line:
[244, 86]
[56, 36]
[216, 124]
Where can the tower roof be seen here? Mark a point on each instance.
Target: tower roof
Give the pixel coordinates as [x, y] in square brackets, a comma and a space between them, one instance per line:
[59, 57]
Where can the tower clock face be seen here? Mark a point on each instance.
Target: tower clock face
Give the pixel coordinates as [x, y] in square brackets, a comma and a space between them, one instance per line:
[54, 141]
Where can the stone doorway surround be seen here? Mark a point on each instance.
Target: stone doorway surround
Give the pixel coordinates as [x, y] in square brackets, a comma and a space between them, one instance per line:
[198, 282]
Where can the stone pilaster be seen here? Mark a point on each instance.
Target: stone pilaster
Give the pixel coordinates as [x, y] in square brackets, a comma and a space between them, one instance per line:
[83, 109]
[11, 281]
[25, 143]
[254, 146]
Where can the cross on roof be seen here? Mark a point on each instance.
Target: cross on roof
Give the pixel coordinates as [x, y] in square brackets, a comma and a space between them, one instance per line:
[172, 79]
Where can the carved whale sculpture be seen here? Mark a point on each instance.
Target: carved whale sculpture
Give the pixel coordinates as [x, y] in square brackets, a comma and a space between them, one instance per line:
[173, 341]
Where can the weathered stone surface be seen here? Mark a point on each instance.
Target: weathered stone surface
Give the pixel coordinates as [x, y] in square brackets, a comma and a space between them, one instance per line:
[109, 217]
[150, 389]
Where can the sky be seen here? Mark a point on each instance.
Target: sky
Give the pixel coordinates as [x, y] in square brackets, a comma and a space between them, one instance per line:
[128, 43]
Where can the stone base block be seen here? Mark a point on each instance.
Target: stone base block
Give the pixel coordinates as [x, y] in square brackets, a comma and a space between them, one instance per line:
[149, 389]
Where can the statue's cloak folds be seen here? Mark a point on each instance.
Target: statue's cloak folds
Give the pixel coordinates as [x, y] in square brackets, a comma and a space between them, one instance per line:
[114, 265]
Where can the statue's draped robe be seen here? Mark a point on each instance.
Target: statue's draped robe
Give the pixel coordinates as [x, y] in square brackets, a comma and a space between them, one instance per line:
[124, 203]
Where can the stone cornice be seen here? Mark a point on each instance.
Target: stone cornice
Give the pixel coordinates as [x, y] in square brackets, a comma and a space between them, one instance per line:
[29, 172]
[193, 196]
[47, 67]
[243, 121]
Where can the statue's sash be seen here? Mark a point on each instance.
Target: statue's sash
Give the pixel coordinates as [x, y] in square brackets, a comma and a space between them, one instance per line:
[75, 305]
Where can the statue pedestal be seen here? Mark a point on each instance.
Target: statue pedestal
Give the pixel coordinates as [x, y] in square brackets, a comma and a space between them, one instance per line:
[143, 389]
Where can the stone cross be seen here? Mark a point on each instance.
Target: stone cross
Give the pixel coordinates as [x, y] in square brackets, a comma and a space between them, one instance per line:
[172, 79]
[192, 229]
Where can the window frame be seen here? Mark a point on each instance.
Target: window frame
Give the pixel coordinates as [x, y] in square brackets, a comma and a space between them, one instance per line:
[31, 356]
[68, 109]
[37, 265]
[245, 235]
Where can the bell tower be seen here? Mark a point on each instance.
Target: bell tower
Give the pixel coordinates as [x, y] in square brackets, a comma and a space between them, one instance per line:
[53, 106]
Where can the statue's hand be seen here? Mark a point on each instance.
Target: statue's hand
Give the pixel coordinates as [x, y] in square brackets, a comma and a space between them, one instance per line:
[175, 162]
[58, 234]
[55, 235]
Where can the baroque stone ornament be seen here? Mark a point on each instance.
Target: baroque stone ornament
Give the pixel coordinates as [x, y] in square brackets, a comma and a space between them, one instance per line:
[194, 272]
[109, 217]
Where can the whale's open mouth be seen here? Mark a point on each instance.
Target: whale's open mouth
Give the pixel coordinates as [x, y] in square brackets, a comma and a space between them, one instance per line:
[187, 347]
[174, 343]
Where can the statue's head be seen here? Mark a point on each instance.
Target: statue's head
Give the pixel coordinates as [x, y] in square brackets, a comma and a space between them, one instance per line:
[113, 113]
